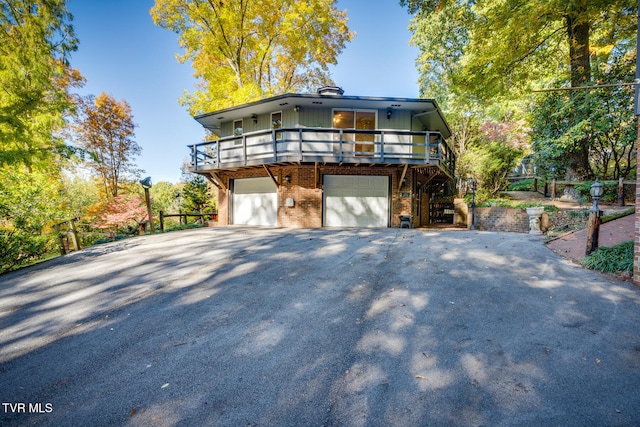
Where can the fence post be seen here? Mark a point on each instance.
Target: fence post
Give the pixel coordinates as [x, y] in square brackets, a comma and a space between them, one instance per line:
[161, 221]
[620, 192]
[74, 235]
[56, 229]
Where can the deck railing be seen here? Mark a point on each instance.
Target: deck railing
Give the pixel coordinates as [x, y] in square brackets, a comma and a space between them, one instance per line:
[323, 145]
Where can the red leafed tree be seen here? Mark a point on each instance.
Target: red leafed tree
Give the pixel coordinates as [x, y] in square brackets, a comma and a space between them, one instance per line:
[123, 212]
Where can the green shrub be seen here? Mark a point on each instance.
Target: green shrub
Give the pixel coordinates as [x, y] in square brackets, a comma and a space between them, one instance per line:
[19, 247]
[614, 259]
[609, 195]
[523, 185]
[182, 227]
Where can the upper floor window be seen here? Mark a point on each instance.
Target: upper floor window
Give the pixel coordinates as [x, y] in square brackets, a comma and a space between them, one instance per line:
[276, 120]
[359, 120]
[237, 127]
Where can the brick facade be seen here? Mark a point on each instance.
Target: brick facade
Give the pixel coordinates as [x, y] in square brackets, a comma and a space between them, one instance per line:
[299, 183]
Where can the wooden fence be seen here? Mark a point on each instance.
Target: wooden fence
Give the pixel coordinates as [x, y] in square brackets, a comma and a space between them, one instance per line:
[183, 217]
[549, 187]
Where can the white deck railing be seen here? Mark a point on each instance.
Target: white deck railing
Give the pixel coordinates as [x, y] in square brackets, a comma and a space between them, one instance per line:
[323, 145]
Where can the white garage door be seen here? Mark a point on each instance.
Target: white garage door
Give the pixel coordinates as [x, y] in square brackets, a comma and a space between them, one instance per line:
[356, 201]
[255, 202]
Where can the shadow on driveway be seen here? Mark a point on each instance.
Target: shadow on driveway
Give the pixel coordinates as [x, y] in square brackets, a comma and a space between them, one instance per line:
[262, 327]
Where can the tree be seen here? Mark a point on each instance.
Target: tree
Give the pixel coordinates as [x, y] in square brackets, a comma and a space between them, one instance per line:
[242, 50]
[36, 38]
[105, 130]
[196, 194]
[608, 128]
[492, 51]
[123, 212]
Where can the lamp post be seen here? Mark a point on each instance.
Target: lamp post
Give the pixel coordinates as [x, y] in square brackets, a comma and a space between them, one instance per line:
[472, 184]
[593, 226]
[146, 184]
[553, 182]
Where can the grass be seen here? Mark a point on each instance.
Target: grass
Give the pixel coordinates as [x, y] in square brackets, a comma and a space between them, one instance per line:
[616, 215]
[616, 259]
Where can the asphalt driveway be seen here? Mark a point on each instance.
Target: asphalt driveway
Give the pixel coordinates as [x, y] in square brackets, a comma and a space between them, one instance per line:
[278, 327]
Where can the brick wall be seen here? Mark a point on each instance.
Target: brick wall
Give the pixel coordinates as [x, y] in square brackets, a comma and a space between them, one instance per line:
[501, 219]
[307, 199]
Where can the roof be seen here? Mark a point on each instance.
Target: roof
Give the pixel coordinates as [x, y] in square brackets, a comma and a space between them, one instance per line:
[426, 110]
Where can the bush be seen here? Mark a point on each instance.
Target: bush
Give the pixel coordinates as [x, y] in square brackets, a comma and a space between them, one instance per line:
[523, 185]
[614, 259]
[19, 247]
[609, 195]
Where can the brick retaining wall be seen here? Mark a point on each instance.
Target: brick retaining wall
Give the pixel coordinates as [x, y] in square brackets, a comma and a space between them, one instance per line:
[502, 219]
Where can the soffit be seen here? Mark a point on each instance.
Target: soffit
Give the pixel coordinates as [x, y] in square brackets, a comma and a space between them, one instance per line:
[426, 110]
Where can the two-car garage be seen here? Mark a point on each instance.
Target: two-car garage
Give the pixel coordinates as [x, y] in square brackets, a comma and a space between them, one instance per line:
[347, 201]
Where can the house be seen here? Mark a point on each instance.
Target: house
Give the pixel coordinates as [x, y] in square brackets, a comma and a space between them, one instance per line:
[329, 160]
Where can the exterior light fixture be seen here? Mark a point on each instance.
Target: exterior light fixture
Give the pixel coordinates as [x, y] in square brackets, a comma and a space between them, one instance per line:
[146, 184]
[389, 114]
[296, 108]
[472, 186]
[596, 192]
[287, 178]
[255, 118]
[553, 182]
[593, 224]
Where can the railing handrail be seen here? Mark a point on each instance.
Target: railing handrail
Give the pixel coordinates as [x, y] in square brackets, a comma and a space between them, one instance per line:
[384, 147]
[320, 130]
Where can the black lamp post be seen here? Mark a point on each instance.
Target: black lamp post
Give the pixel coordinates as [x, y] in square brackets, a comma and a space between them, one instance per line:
[593, 226]
[596, 192]
[553, 182]
[472, 185]
[146, 184]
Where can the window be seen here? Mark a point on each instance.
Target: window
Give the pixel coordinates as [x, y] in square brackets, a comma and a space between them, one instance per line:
[276, 120]
[359, 120]
[237, 127]
[237, 131]
[276, 123]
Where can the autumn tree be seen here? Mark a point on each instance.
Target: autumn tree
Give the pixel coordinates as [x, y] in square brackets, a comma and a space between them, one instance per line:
[105, 130]
[242, 50]
[123, 213]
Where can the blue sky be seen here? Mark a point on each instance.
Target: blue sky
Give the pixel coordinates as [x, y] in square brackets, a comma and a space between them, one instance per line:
[123, 53]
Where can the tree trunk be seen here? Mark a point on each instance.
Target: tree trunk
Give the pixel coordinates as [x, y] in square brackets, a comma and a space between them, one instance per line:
[578, 33]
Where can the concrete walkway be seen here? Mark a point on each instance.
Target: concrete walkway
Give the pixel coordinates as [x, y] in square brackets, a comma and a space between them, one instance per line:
[273, 327]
